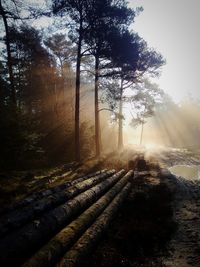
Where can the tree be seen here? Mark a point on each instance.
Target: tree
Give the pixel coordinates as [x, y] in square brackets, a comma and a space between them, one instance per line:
[131, 60]
[3, 85]
[61, 49]
[3, 13]
[147, 96]
[36, 122]
[12, 11]
[32, 64]
[76, 9]
[102, 19]
[64, 55]
[88, 17]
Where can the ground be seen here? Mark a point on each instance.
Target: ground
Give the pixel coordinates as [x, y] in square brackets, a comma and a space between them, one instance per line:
[185, 244]
[158, 226]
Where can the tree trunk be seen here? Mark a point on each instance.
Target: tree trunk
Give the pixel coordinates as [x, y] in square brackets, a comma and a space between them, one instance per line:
[35, 196]
[77, 94]
[19, 217]
[90, 238]
[120, 130]
[9, 58]
[62, 94]
[57, 246]
[141, 135]
[97, 130]
[18, 246]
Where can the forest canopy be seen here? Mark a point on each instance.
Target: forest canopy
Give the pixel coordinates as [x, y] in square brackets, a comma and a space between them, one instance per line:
[63, 86]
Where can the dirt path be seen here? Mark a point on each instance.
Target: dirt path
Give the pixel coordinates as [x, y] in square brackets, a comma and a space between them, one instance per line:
[143, 233]
[174, 156]
[185, 245]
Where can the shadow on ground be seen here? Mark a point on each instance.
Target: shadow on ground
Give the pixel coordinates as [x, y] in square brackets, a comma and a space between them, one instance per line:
[140, 234]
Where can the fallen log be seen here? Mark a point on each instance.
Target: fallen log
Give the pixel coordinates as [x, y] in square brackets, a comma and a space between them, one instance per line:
[57, 246]
[18, 246]
[30, 197]
[44, 193]
[88, 241]
[18, 218]
[57, 173]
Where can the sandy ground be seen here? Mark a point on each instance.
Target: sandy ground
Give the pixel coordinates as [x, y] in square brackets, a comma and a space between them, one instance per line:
[183, 249]
[168, 157]
[185, 245]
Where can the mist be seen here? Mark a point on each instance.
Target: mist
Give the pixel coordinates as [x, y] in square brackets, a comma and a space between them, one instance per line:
[172, 125]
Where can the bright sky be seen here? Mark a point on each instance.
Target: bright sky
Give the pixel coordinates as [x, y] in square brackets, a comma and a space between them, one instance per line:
[172, 27]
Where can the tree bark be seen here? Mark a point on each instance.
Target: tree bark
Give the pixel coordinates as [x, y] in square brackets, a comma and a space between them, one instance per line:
[52, 251]
[120, 130]
[141, 135]
[32, 197]
[18, 218]
[89, 239]
[9, 57]
[20, 245]
[77, 93]
[97, 128]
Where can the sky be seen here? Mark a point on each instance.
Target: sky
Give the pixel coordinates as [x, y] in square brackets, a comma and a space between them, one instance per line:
[172, 27]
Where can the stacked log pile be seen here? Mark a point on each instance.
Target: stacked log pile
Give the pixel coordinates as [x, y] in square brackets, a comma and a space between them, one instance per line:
[58, 222]
[36, 185]
[44, 193]
[51, 198]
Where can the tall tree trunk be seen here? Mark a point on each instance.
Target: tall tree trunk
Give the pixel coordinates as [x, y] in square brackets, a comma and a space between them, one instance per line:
[62, 94]
[77, 95]
[141, 135]
[97, 128]
[55, 106]
[9, 58]
[120, 130]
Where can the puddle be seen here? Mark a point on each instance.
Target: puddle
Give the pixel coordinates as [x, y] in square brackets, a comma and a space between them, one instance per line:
[191, 172]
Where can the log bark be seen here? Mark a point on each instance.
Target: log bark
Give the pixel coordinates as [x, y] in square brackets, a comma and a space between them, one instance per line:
[44, 193]
[52, 251]
[20, 217]
[20, 245]
[88, 241]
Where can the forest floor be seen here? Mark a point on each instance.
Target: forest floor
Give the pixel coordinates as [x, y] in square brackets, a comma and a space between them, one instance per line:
[158, 225]
[175, 241]
[184, 246]
[163, 229]
[169, 232]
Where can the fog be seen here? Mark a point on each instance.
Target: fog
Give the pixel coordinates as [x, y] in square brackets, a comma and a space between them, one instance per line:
[172, 125]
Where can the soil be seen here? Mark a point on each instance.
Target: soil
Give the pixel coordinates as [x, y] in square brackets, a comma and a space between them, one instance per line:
[185, 244]
[141, 232]
[157, 226]
[184, 247]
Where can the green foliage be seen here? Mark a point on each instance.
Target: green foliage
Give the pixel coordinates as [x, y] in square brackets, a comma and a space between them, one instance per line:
[146, 96]
[61, 49]
[40, 128]
[19, 141]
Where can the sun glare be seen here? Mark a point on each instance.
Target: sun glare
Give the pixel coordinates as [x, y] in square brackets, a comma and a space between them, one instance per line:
[151, 146]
